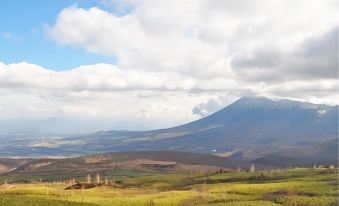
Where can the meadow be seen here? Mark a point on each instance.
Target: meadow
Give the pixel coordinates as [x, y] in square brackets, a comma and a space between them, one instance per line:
[311, 187]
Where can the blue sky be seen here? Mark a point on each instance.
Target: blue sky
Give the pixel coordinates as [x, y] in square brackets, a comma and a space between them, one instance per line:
[22, 37]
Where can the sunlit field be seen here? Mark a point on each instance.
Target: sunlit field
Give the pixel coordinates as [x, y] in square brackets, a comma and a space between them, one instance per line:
[285, 187]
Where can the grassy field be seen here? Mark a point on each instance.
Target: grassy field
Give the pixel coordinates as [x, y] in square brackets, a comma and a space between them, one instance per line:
[318, 187]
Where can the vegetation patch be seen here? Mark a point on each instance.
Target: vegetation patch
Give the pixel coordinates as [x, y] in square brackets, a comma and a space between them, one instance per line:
[301, 187]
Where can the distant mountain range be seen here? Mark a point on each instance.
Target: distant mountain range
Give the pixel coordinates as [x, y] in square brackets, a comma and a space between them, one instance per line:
[249, 128]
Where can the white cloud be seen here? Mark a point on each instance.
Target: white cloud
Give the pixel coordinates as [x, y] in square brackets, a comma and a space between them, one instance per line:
[212, 105]
[173, 56]
[99, 91]
[315, 58]
[92, 77]
[194, 37]
[104, 90]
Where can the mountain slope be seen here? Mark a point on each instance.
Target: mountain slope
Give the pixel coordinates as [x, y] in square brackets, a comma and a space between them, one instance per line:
[250, 122]
[325, 150]
[325, 153]
[250, 127]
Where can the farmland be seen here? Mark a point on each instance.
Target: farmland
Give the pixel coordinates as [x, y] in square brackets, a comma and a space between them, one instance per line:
[276, 187]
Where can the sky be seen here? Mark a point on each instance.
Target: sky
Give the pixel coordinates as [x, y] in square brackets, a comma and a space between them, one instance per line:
[87, 65]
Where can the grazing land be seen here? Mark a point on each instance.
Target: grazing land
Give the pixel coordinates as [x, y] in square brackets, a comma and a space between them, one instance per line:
[302, 187]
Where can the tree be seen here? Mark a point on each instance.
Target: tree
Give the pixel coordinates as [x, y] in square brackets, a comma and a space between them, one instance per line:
[89, 179]
[252, 168]
[97, 178]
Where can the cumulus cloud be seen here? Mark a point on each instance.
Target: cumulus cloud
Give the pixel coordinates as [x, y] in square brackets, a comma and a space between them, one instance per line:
[212, 105]
[101, 91]
[194, 37]
[104, 90]
[105, 77]
[315, 58]
[133, 99]
[180, 60]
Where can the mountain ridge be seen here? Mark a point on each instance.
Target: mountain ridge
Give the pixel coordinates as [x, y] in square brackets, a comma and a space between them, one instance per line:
[248, 123]
[248, 128]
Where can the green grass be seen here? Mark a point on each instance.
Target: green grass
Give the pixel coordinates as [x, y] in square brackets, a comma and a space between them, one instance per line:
[302, 187]
[118, 174]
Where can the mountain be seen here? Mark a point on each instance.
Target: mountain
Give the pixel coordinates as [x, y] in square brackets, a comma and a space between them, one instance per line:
[251, 127]
[255, 124]
[262, 121]
[325, 153]
[326, 149]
